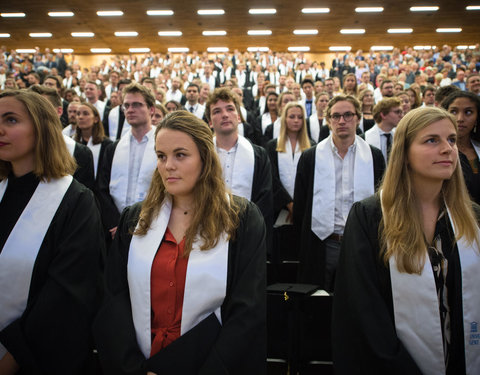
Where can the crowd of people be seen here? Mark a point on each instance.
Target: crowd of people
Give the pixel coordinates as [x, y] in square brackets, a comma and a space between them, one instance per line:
[191, 171]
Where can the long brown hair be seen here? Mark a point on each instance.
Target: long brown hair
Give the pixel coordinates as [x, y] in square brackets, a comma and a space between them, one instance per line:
[98, 134]
[52, 159]
[401, 231]
[215, 210]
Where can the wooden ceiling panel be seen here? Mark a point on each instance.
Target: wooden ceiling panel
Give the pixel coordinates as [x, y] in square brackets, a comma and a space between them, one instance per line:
[236, 21]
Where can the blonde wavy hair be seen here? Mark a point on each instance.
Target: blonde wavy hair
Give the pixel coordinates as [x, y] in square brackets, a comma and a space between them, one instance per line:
[401, 232]
[215, 211]
[303, 140]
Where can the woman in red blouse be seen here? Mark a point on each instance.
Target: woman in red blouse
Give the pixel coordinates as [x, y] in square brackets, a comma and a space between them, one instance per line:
[185, 293]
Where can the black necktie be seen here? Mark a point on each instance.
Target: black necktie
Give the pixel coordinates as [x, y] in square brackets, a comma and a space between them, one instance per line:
[389, 143]
[191, 110]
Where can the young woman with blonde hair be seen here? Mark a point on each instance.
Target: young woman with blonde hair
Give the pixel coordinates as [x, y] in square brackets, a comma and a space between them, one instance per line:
[185, 278]
[407, 299]
[50, 244]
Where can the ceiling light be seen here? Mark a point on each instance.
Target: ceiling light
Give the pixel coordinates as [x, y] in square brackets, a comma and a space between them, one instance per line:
[40, 35]
[214, 33]
[178, 49]
[472, 47]
[369, 9]
[473, 7]
[299, 49]
[257, 49]
[340, 48]
[352, 31]
[315, 10]
[60, 14]
[421, 47]
[305, 32]
[399, 31]
[83, 35]
[259, 32]
[126, 33]
[262, 11]
[462, 47]
[12, 15]
[4, 35]
[170, 33]
[139, 50]
[160, 12]
[381, 48]
[109, 13]
[100, 50]
[63, 50]
[449, 30]
[210, 12]
[26, 50]
[424, 9]
[217, 49]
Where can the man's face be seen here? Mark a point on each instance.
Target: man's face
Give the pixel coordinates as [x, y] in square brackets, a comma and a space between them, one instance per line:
[224, 117]
[91, 92]
[282, 80]
[51, 83]
[429, 97]
[308, 90]
[205, 91]
[192, 94]
[114, 78]
[366, 77]
[31, 79]
[387, 90]
[114, 100]
[329, 86]
[136, 110]
[393, 117]
[473, 84]
[175, 83]
[72, 112]
[460, 75]
[289, 82]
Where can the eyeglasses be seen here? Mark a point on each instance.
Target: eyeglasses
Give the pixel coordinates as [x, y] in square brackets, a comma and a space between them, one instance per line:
[134, 105]
[347, 116]
[398, 112]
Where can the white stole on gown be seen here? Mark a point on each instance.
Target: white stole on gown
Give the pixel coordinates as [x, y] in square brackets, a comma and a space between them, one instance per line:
[323, 204]
[96, 154]
[417, 317]
[287, 166]
[276, 128]
[120, 167]
[20, 251]
[205, 284]
[243, 168]
[70, 144]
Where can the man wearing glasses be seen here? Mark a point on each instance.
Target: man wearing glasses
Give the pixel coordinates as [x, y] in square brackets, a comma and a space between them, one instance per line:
[340, 170]
[387, 113]
[129, 162]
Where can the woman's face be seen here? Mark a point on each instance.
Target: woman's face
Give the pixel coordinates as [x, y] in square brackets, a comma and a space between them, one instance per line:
[171, 107]
[432, 156]
[17, 136]
[465, 111]
[294, 120]
[322, 104]
[287, 98]
[296, 91]
[349, 83]
[368, 98]
[85, 118]
[406, 105]
[412, 97]
[272, 103]
[179, 162]
[157, 117]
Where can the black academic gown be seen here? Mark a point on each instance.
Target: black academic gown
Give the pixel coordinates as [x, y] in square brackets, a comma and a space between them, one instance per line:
[472, 180]
[262, 191]
[311, 250]
[84, 173]
[238, 346]
[363, 326]
[52, 336]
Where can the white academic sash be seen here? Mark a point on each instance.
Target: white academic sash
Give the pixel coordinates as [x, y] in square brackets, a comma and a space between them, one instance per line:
[287, 166]
[96, 154]
[323, 205]
[120, 166]
[416, 311]
[205, 283]
[243, 169]
[276, 128]
[241, 130]
[21, 248]
[314, 127]
[113, 124]
[266, 120]
[476, 146]
[70, 144]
